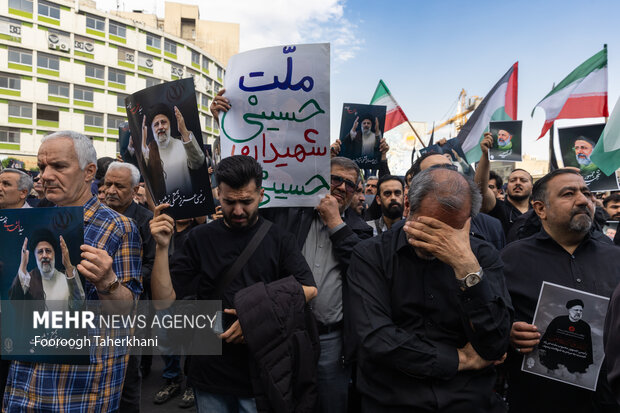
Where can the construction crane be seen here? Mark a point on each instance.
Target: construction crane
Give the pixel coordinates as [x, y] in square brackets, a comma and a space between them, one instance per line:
[464, 107]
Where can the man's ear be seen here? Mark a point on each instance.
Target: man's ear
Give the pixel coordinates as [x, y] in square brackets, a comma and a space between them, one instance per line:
[23, 194]
[262, 194]
[540, 208]
[134, 192]
[90, 170]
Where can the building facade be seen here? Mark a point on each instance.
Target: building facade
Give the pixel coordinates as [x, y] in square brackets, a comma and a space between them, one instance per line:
[65, 65]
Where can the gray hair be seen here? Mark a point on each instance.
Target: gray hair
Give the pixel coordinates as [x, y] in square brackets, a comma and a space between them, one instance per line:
[135, 173]
[346, 163]
[84, 148]
[24, 181]
[451, 191]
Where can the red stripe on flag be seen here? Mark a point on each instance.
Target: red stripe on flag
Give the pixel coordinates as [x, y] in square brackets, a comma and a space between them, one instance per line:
[510, 105]
[593, 106]
[585, 107]
[394, 118]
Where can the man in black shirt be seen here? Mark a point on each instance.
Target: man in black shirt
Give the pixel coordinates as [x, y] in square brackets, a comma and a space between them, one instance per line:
[567, 253]
[222, 383]
[518, 190]
[119, 185]
[429, 305]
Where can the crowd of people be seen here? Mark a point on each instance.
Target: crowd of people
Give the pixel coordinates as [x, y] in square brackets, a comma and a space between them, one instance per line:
[420, 301]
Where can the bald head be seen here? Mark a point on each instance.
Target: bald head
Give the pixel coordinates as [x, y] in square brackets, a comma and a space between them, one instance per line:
[445, 195]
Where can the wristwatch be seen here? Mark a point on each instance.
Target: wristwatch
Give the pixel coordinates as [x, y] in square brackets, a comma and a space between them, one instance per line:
[470, 279]
[111, 287]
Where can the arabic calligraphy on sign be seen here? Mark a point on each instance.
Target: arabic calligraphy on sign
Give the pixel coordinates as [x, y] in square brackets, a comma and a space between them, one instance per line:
[280, 116]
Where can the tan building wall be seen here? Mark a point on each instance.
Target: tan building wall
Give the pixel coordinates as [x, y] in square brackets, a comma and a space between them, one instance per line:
[220, 39]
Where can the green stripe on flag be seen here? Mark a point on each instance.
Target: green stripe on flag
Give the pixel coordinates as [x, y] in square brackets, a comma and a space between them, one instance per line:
[598, 61]
[382, 90]
[606, 153]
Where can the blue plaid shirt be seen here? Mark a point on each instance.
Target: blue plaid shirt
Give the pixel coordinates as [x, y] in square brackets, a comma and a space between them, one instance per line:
[39, 387]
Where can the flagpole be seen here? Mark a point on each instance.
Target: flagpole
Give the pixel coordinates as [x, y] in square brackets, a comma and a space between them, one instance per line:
[416, 133]
[553, 162]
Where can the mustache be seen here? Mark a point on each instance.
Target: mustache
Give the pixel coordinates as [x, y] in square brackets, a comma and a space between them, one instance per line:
[580, 210]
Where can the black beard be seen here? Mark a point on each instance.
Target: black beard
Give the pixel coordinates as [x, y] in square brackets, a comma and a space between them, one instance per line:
[519, 198]
[393, 211]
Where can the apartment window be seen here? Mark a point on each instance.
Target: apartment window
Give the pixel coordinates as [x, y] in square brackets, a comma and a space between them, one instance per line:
[84, 94]
[49, 10]
[114, 121]
[117, 29]
[9, 135]
[23, 5]
[126, 55]
[95, 23]
[116, 76]
[47, 61]
[208, 121]
[58, 89]
[151, 81]
[209, 84]
[195, 58]
[94, 71]
[10, 82]
[153, 41]
[47, 114]
[220, 72]
[176, 71]
[20, 56]
[205, 101]
[120, 100]
[216, 88]
[170, 47]
[205, 63]
[20, 110]
[93, 119]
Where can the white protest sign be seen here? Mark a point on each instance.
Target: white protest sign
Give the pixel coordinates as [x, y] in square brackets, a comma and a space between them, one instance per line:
[279, 115]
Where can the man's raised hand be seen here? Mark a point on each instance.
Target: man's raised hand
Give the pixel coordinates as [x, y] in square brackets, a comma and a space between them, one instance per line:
[162, 226]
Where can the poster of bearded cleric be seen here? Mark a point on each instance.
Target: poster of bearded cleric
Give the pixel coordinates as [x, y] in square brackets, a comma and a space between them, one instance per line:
[576, 145]
[506, 140]
[38, 259]
[571, 345]
[167, 140]
[361, 130]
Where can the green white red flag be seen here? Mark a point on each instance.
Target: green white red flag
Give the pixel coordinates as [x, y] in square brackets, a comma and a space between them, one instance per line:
[606, 153]
[582, 94]
[499, 104]
[394, 114]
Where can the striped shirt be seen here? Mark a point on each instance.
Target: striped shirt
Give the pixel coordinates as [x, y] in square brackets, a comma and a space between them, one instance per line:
[38, 387]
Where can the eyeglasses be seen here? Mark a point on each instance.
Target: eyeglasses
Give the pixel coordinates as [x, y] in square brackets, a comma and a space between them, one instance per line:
[336, 181]
[37, 179]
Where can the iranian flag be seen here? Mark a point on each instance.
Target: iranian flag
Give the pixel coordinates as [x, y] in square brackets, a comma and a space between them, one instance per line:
[582, 94]
[499, 104]
[395, 115]
[606, 153]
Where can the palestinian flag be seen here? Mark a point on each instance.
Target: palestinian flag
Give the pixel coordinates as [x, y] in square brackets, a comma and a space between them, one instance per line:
[606, 153]
[394, 114]
[499, 104]
[582, 94]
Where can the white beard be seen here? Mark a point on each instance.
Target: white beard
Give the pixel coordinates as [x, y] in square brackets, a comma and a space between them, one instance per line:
[163, 140]
[47, 271]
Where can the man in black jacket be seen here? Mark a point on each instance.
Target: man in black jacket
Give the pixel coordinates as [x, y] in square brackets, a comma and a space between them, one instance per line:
[222, 383]
[121, 183]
